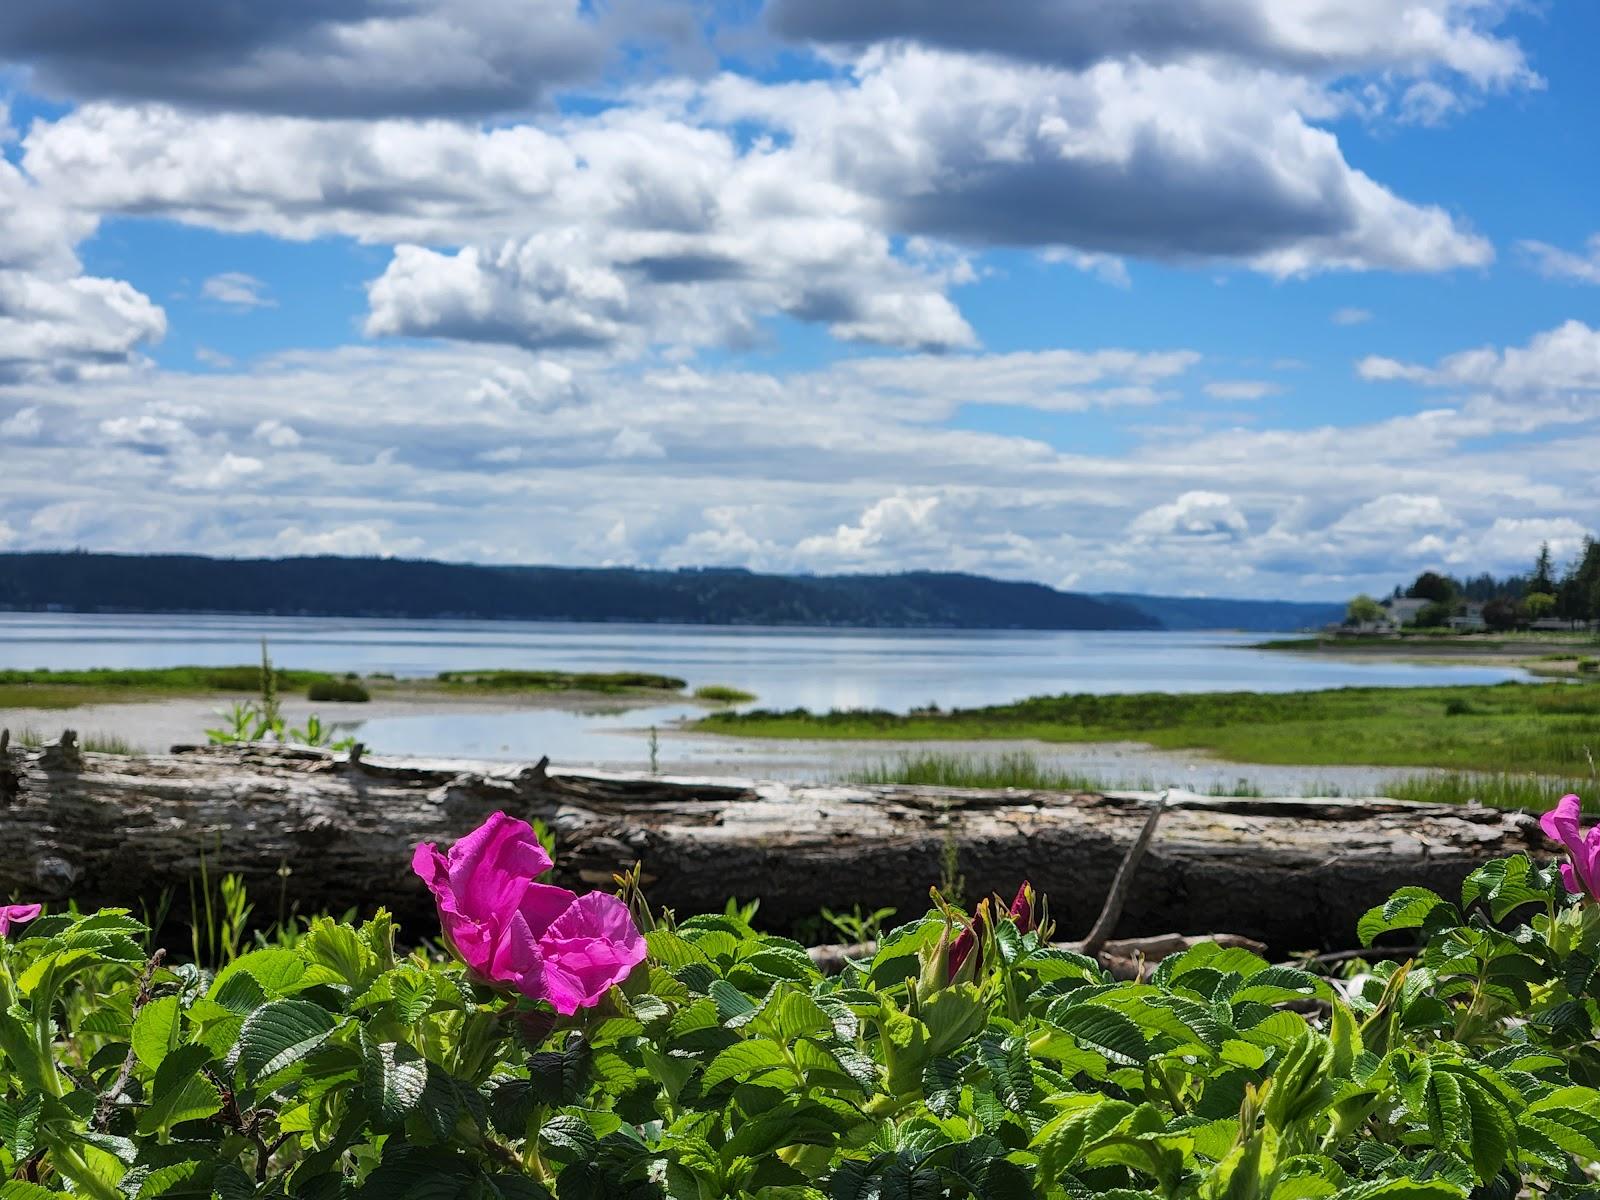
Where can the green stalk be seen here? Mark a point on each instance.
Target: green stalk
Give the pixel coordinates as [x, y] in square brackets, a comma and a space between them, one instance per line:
[70, 1163]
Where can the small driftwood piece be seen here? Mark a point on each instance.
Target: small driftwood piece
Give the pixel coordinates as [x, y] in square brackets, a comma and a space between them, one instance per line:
[1293, 874]
[1122, 883]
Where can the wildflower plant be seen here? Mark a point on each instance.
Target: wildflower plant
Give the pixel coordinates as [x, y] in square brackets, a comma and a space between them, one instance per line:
[595, 1048]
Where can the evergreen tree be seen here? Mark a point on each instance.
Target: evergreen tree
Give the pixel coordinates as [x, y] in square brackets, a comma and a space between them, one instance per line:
[1579, 596]
[1544, 577]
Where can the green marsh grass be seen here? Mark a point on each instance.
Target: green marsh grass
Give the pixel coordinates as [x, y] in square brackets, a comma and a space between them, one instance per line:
[177, 679]
[343, 691]
[92, 743]
[1535, 793]
[43, 688]
[1534, 728]
[718, 693]
[560, 681]
[1025, 771]
[1011, 769]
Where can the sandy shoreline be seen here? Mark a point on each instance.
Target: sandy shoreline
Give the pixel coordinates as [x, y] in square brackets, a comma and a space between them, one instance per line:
[1535, 657]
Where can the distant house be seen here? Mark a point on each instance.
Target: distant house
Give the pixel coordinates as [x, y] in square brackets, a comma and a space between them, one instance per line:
[1403, 610]
[1469, 621]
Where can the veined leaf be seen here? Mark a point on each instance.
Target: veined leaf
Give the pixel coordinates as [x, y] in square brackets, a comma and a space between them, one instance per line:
[393, 1078]
[791, 1015]
[19, 1124]
[1402, 1189]
[1493, 1136]
[733, 1006]
[1448, 1116]
[155, 1030]
[21, 1189]
[1408, 908]
[1010, 1071]
[745, 1060]
[1108, 1031]
[559, 1076]
[1282, 985]
[281, 1033]
[180, 1092]
[566, 1139]
[941, 1086]
[1504, 885]
[1063, 1139]
[278, 970]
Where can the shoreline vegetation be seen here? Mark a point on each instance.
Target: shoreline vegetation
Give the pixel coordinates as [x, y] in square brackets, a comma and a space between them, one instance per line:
[47, 689]
[1024, 770]
[1514, 729]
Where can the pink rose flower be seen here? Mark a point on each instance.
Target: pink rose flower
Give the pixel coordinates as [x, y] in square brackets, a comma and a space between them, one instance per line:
[1582, 874]
[17, 914]
[544, 941]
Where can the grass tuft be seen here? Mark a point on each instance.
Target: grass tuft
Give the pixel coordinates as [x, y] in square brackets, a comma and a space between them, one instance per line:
[1536, 793]
[1012, 769]
[344, 691]
[717, 693]
[561, 681]
[93, 743]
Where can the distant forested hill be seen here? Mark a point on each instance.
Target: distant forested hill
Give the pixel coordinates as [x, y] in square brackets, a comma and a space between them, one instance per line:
[82, 582]
[388, 587]
[1260, 616]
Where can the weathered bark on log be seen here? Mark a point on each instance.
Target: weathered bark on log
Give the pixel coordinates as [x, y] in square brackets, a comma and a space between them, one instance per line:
[1294, 874]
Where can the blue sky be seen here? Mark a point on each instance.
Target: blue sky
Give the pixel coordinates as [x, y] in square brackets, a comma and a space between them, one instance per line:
[1281, 301]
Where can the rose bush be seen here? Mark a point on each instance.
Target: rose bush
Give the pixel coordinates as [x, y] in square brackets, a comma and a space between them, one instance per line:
[724, 1065]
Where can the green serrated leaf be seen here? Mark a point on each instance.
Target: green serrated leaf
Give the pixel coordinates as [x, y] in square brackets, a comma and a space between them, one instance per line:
[791, 1015]
[941, 1086]
[281, 1033]
[1107, 1031]
[19, 1124]
[155, 1030]
[1448, 1116]
[566, 1139]
[733, 1006]
[180, 1092]
[393, 1079]
[745, 1060]
[559, 1076]
[1408, 908]
[414, 993]
[278, 970]
[231, 1183]
[1281, 985]
[188, 1179]
[1010, 1071]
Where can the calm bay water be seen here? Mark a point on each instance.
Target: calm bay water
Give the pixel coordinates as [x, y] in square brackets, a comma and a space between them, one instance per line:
[785, 668]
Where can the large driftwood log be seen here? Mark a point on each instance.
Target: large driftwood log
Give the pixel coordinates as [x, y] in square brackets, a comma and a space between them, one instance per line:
[1291, 873]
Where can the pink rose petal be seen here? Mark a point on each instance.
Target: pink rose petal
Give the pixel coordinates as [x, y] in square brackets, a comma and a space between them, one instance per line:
[544, 941]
